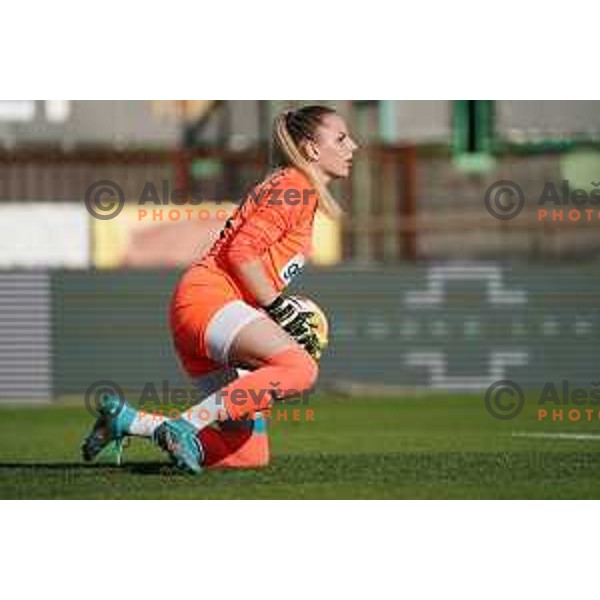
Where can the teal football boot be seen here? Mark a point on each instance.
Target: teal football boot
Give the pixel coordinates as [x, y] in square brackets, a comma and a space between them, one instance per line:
[111, 427]
[180, 441]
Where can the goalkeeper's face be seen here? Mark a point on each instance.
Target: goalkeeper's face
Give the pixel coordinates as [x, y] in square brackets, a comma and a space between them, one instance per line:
[333, 147]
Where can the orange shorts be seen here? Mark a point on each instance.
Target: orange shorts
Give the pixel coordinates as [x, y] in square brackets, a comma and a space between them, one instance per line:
[207, 309]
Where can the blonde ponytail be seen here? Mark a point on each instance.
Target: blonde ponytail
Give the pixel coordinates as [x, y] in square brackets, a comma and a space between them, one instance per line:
[291, 153]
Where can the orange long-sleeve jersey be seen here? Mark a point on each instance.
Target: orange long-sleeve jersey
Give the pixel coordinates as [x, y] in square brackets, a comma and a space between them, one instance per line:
[274, 225]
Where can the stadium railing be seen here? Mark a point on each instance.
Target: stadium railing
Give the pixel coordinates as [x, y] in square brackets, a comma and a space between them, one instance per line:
[403, 202]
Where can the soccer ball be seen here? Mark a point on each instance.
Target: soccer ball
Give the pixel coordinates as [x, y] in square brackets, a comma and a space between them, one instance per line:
[318, 320]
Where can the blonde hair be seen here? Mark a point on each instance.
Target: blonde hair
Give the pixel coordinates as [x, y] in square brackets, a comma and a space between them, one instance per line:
[289, 129]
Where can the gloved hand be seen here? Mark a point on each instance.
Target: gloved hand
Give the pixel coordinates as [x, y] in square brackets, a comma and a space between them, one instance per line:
[298, 323]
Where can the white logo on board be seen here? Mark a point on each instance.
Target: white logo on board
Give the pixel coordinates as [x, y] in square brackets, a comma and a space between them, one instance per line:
[435, 297]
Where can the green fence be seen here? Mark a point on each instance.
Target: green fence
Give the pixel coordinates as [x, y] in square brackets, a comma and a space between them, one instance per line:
[452, 326]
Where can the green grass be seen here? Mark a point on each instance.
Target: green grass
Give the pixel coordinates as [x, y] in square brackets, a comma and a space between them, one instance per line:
[415, 447]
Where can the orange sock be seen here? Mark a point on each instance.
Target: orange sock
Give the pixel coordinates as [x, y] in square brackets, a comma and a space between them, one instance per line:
[288, 373]
[236, 445]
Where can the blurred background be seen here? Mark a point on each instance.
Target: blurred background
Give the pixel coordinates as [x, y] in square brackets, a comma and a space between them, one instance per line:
[423, 286]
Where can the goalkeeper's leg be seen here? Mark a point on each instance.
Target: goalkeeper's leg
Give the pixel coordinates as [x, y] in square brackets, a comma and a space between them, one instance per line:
[234, 334]
[281, 368]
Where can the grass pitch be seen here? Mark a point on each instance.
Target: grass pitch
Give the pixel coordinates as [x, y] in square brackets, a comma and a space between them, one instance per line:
[415, 447]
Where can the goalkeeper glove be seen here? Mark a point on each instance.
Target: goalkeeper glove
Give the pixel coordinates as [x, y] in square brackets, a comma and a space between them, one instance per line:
[296, 322]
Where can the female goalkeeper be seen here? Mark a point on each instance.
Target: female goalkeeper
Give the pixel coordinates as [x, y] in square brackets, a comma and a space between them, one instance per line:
[228, 310]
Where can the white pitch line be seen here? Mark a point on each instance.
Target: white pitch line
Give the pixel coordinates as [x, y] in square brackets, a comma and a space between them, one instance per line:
[558, 436]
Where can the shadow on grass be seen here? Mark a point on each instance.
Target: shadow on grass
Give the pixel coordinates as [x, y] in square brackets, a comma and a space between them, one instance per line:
[493, 468]
[137, 468]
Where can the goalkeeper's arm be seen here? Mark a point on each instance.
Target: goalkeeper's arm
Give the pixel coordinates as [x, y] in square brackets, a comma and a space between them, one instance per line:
[282, 310]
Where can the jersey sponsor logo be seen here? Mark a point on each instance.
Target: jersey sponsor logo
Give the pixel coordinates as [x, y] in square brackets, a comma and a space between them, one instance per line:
[292, 268]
